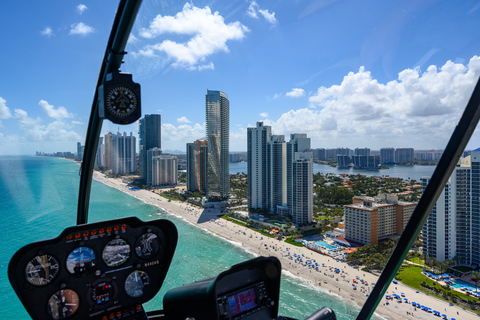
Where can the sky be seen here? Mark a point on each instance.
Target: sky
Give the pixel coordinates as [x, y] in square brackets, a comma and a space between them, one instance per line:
[347, 73]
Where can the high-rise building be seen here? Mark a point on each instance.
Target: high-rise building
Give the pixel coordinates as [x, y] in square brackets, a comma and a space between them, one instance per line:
[197, 166]
[278, 175]
[80, 150]
[298, 143]
[302, 188]
[453, 227]
[343, 161]
[362, 152]
[387, 155]
[151, 153]
[369, 220]
[404, 155]
[150, 134]
[122, 153]
[258, 166]
[365, 162]
[218, 133]
[164, 170]
[319, 154]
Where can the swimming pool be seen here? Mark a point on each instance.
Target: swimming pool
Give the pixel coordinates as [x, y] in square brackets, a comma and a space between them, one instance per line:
[324, 244]
[460, 283]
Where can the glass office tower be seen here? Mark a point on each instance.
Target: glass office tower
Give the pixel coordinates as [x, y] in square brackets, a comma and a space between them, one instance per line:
[217, 130]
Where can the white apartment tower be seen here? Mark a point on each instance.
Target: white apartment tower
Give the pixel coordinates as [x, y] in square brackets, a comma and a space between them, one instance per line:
[453, 228]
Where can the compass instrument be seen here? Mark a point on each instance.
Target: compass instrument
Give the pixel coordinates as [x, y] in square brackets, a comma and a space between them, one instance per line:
[119, 98]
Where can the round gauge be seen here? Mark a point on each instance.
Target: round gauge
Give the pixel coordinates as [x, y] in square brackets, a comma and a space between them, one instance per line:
[116, 252]
[102, 292]
[135, 283]
[63, 304]
[41, 270]
[121, 101]
[147, 245]
[80, 260]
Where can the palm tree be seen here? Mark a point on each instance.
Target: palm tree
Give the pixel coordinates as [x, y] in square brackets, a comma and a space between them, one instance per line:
[475, 276]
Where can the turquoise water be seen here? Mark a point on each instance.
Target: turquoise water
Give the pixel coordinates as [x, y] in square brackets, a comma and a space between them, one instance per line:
[460, 283]
[324, 244]
[38, 199]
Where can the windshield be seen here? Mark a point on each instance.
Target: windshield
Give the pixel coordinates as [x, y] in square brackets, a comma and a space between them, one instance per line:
[299, 113]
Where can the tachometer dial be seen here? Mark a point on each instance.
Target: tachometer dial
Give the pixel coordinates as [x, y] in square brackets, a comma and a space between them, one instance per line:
[63, 304]
[116, 252]
[80, 260]
[41, 270]
[147, 245]
[135, 283]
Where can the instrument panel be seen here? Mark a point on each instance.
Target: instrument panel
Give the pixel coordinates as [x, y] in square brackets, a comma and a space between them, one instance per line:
[103, 270]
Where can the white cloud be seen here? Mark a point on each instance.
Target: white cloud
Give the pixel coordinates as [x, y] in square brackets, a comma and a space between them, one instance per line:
[264, 114]
[419, 108]
[4, 110]
[296, 93]
[183, 120]
[81, 29]
[173, 136]
[81, 8]
[35, 131]
[49, 110]
[47, 32]
[254, 10]
[209, 34]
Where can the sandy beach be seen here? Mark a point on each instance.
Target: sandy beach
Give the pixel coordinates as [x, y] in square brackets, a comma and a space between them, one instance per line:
[325, 279]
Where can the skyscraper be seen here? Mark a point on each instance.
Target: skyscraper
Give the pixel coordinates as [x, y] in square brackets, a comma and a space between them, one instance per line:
[164, 170]
[217, 130]
[150, 135]
[302, 188]
[196, 166]
[258, 166]
[387, 155]
[453, 227]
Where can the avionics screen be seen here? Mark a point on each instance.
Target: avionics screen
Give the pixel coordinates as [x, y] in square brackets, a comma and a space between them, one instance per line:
[242, 301]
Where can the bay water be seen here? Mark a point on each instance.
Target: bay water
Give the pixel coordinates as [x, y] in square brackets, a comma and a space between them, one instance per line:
[38, 199]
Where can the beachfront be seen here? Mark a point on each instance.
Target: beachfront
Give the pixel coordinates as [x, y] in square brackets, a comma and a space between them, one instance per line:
[333, 277]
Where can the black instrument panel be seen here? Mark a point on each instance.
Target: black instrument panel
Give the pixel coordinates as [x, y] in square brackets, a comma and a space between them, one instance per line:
[103, 270]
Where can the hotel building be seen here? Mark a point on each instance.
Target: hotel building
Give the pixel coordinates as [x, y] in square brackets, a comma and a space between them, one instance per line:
[197, 166]
[369, 220]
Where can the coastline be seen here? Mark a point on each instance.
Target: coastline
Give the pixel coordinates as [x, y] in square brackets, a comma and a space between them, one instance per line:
[325, 279]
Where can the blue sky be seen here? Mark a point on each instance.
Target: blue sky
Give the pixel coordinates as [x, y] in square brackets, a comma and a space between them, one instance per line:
[348, 73]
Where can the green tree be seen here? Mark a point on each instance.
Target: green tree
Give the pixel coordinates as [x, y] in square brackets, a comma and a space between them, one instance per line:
[475, 276]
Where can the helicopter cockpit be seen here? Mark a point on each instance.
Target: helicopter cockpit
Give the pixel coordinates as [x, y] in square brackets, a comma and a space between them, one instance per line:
[108, 270]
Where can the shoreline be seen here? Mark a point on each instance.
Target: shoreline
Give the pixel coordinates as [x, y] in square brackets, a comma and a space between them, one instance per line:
[325, 279]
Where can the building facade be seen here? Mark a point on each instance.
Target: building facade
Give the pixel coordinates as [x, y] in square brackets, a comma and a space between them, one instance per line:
[452, 230]
[122, 153]
[387, 155]
[258, 166]
[369, 220]
[150, 134]
[404, 155]
[218, 136]
[164, 170]
[197, 166]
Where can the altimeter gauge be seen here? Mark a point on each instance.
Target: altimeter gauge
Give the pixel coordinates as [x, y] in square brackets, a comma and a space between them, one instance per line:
[41, 270]
[63, 304]
[119, 98]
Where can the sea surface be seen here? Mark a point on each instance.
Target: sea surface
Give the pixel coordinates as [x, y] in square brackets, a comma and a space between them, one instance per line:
[38, 199]
[397, 171]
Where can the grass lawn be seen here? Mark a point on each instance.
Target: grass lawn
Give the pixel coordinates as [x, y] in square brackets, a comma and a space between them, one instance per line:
[416, 260]
[412, 276]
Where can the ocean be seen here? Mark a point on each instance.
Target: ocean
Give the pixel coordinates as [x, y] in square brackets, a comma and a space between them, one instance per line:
[38, 199]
